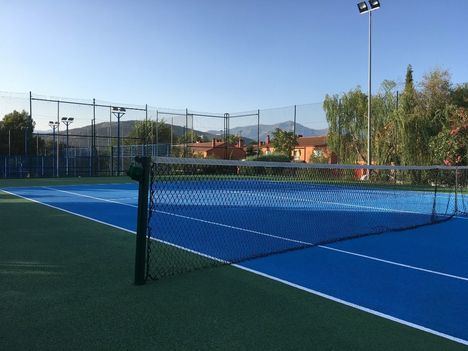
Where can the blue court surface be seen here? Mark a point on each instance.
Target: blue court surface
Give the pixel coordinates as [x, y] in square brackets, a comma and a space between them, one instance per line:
[416, 277]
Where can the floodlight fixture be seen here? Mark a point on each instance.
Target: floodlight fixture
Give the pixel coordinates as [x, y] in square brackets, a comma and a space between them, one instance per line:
[67, 120]
[118, 109]
[374, 4]
[362, 6]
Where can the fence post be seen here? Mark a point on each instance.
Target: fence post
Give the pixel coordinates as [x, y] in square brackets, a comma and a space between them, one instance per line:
[57, 156]
[258, 133]
[294, 126]
[157, 136]
[94, 154]
[112, 160]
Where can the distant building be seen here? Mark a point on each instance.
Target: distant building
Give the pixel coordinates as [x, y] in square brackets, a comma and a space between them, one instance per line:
[218, 150]
[313, 149]
[309, 149]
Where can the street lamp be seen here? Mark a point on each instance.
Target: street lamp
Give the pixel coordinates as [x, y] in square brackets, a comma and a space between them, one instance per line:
[363, 8]
[118, 112]
[67, 121]
[54, 126]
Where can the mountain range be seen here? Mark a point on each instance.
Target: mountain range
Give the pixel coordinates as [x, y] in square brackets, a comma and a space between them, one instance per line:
[250, 132]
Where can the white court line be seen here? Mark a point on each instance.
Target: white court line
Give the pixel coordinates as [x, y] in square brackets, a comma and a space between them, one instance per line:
[125, 198]
[353, 305]
[329, 297]
[393, 262]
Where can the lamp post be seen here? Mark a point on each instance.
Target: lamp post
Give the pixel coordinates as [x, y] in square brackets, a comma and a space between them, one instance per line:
[67, 121]
[118, 112]
[53, 125]
[364, 8]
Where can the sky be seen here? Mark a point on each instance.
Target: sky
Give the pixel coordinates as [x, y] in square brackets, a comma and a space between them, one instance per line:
[220, 55]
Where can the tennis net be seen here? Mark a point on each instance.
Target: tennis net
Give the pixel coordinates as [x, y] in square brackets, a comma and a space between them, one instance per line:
[205, 213]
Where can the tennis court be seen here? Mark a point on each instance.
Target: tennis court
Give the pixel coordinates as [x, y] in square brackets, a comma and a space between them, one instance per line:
[416, 277]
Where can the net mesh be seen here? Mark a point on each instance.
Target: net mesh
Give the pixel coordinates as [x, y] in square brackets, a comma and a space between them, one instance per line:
[207, 212]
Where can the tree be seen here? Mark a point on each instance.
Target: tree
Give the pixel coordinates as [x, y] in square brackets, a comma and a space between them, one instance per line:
[410, 125]
[424, 117]
[427, 126]
[384, 124]
[347, 125]
[18, 127]
[189, 137]
[251, 150]
[233, 139]
[459, 95]
[150, 132]
[450, 146]
[284, 142]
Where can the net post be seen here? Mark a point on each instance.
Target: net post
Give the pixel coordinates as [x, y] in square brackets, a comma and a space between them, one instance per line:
[142, 221]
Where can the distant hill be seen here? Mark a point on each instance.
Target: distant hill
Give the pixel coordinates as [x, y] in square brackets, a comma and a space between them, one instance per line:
[80, 137]
[250, 132]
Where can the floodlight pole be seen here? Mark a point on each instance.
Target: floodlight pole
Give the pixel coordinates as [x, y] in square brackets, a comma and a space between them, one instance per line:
[67, 121]
[369, 99]
[369, 7]
[118, 112]
[54, 125]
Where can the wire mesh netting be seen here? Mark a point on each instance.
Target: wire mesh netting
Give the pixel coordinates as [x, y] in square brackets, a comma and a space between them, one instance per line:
[210, 212]
[99, 141]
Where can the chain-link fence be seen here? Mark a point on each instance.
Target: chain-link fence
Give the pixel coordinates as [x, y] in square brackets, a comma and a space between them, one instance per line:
[90, 137]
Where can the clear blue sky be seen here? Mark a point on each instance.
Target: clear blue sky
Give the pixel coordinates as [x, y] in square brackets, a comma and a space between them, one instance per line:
[220, 55]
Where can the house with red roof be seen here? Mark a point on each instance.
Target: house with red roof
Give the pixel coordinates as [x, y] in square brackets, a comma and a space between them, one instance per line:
[218, 149]
[309, 149]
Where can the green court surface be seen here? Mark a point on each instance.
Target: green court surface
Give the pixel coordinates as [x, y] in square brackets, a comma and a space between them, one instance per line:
[66, 284]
